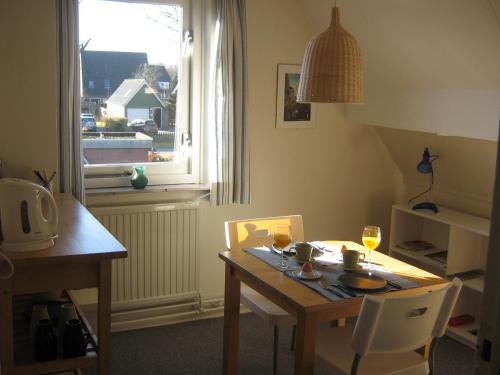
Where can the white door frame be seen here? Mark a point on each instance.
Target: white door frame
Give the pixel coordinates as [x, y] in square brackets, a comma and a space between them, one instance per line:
[488, 353]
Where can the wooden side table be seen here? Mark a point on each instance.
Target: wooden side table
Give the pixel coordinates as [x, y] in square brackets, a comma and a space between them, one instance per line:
[81, 258]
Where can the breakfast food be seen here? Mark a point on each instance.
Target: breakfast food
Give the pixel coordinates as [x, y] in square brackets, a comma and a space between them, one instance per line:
[307, 267]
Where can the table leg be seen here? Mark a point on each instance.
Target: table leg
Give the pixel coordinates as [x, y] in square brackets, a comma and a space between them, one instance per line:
[6, 322]
[306, 344]
[231, 322]
[104, 317]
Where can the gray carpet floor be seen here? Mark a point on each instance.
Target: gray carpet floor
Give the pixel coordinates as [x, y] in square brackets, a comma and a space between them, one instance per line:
[196, 348]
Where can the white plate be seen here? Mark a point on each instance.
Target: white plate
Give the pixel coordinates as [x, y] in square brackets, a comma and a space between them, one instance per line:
[314, 275]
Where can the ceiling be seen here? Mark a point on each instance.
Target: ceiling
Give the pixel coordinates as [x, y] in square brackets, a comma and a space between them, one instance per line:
[430, 65]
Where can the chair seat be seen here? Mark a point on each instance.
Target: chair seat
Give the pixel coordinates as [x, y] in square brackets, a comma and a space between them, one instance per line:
[333, 351]
[264, 308]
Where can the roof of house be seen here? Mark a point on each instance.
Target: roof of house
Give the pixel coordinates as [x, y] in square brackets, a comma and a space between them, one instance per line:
[108, 67]
[127, 90]
[162, 72]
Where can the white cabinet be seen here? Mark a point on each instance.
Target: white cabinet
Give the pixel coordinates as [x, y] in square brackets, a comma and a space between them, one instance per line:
[460, 245]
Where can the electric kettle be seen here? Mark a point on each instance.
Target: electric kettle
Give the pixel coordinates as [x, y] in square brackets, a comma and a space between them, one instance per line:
[28, 215]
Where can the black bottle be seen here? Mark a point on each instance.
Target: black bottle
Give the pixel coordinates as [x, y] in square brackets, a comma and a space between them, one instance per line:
[74, 343]
[45, 341]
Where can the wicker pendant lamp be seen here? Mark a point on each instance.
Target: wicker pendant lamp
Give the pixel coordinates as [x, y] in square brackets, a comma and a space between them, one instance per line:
[332, 71]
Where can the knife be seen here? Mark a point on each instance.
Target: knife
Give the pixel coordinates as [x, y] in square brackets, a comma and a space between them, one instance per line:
[324, 285]
[394, 285]
[345, 289]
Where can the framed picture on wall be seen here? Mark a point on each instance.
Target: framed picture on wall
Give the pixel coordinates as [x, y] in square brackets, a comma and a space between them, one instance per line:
[289, 113]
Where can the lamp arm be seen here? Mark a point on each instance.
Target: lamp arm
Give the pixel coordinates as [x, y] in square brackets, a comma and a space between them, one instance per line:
[419, 195]
[426, 191]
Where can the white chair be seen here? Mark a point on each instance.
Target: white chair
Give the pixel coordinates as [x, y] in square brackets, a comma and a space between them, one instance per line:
[387, 333]
[242, 234]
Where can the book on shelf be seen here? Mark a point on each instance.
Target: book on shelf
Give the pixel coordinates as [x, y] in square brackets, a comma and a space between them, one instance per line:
[416, 245]
[440, 256]
[467, 275]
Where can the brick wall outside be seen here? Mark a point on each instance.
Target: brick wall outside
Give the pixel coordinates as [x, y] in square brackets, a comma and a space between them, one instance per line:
[116, 155]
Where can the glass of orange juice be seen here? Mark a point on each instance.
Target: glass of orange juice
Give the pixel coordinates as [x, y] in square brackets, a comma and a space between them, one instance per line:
[282, 238]
[371, 238]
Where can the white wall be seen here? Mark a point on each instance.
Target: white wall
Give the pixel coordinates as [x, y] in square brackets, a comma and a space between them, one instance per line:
[28, 95]
[464, 173]
[430, 65]
[338, 175]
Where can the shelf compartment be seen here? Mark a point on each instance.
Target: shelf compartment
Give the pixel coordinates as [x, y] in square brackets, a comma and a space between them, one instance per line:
[25, 364]
[467, 251]
[466, 239]
[463, 334]
[476, 284]
[420, 256]
[406, 226]
[458, 219]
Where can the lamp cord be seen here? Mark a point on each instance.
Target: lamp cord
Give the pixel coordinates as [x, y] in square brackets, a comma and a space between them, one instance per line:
[11, 266]
[426, 191]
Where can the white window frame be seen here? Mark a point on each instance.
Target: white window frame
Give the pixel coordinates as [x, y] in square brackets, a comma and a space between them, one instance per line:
[186, 170]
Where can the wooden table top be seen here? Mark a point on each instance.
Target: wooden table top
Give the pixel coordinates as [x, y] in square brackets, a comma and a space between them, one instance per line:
[81, 237]
[305, 299]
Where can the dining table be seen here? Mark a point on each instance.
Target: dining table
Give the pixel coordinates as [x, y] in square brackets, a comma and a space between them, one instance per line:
[308, 306]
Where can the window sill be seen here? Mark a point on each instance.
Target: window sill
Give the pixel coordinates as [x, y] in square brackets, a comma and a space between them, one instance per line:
[148, 189]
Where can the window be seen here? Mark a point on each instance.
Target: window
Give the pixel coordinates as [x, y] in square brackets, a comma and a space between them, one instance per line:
[145, 114]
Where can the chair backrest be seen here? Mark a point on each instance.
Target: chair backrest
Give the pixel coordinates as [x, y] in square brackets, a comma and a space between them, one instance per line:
[241, 234]
[406, 323]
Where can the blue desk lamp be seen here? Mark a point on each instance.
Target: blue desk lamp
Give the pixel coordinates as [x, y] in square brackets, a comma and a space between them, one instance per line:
[425, 167]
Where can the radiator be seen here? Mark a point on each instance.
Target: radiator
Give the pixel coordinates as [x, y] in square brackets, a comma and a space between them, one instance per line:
[162, 263]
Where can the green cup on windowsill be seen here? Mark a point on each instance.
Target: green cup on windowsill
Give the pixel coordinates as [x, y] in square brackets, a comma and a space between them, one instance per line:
[139, 179]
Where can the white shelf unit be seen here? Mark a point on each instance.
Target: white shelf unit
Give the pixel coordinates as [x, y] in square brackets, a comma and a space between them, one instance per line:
[465, 238]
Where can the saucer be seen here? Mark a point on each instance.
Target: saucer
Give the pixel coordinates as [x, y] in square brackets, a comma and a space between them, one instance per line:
[314, 275]
[352, 269]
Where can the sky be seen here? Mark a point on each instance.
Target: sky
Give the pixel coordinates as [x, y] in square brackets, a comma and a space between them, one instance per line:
[116, 26]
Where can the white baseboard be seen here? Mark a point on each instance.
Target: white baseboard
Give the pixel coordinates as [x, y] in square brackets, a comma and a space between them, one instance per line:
[179, 311]
[165, 311]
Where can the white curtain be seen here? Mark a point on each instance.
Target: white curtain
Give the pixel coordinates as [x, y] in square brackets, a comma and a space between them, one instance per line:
[228, 147]
[70, 149]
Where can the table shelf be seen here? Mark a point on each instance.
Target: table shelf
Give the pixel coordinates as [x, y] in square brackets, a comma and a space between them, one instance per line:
[476, 284]
[421, 256]
[80, 258]
[25, 364]
[58, 365]
[463, 334]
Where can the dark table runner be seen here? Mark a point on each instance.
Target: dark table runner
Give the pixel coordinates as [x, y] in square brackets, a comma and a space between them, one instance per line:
[331, 271]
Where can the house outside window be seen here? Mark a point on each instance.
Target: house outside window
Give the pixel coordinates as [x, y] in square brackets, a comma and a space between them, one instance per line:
[144, 115]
